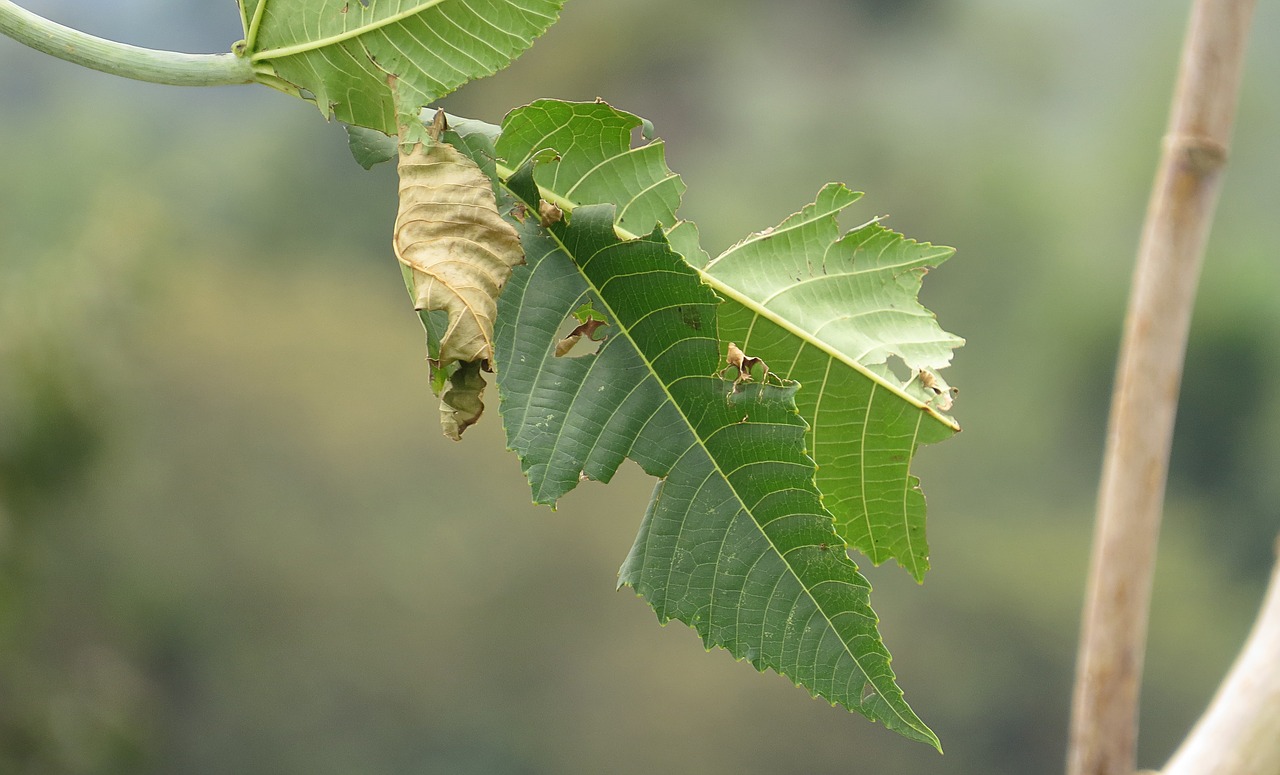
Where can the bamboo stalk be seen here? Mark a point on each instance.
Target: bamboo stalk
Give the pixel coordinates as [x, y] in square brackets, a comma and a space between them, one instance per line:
[1144, 402]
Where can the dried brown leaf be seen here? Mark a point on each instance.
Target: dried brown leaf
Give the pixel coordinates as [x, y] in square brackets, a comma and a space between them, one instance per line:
[461, 251]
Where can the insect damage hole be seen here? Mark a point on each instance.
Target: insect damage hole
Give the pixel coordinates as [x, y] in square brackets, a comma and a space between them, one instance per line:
[583, 333]
[944, 396]
[898, 368]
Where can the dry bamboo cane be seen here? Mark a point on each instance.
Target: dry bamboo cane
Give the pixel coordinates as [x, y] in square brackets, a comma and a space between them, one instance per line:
[1135, 466]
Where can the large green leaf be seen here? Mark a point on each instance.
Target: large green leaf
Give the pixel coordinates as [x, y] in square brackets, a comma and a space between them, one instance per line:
[342, 52]
[736, 541]
[825, 310]
[830, 311]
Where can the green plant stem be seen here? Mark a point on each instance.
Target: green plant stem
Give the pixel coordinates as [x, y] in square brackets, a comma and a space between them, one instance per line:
[141, 64]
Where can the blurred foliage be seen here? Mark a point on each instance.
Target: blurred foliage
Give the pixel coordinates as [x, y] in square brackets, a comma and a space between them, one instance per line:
[232, 539]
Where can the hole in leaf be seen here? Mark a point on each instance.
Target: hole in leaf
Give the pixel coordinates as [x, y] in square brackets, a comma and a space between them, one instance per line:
[583, 333]
[898, 368]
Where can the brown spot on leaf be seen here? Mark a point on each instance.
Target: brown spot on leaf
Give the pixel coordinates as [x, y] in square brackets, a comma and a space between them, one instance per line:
[548, 213]
[944, 396]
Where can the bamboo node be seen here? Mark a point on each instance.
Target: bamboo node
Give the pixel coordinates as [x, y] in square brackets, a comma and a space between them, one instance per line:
[1202, 154]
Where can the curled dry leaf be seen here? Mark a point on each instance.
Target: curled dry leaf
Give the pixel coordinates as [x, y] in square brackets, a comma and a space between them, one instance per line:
[461, 401]
[743, 364]
[944, 396]
[461, 251]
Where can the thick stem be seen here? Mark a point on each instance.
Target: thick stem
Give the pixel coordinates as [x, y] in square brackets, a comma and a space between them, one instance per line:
[1240, 732]
[142, 64]
[1113, 641]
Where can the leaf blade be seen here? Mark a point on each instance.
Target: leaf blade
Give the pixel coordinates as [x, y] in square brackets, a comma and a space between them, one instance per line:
[736, 509]
[866, 425]
[461, 251]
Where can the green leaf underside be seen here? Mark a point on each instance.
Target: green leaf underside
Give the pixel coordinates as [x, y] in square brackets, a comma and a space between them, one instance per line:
[342, 51]
[370, 147]
[736, 542]
[779, 305]
[824, 309]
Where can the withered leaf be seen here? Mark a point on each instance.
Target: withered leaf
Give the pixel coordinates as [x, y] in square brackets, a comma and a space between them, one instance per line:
[944, 395]
[461, 251]
[461, 401]
[744, 363]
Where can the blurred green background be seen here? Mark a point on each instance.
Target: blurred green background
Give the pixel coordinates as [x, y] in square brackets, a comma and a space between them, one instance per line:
[232, 538]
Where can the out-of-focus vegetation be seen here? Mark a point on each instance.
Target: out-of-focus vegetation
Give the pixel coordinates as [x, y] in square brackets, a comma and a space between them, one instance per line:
[232, 538]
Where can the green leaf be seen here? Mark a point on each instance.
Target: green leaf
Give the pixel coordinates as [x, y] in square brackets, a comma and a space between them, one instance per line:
[345, 54]
[825, 310]
[594, 160]
[736, 542]
[370, 147]
[830, 311]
